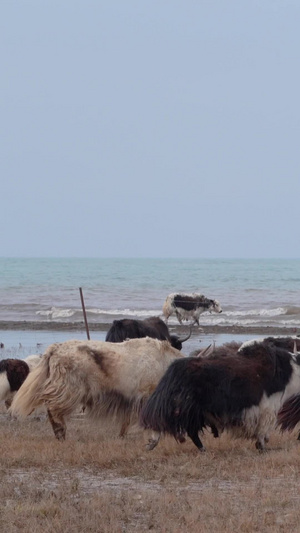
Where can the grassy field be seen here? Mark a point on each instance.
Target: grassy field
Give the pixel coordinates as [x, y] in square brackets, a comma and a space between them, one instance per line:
[96, 482]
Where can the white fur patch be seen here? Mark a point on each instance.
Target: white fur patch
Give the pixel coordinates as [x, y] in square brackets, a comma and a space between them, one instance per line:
[33, 361]
[246, 344]
[259, 420]
[4, 386]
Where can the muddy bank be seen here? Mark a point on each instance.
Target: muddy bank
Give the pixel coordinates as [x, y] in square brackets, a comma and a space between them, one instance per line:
[80, 327]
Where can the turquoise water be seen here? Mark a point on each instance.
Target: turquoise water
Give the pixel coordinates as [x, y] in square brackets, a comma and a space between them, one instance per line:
[20, 344]
[250, 291]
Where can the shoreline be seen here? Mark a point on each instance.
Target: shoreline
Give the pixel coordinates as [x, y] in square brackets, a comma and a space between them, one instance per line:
[179, 330]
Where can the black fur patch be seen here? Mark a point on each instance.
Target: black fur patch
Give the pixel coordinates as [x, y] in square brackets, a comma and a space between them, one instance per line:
[16, 372]
[286, 343]
[191, 303]
[99, 357]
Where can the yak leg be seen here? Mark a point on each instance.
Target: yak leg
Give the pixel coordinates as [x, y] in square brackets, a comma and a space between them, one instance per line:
[178, 317]
[125, 425]
[180, 437]
[260, 444]
[8, 400]
[214, 431]
[58, 425]
[153, 441]
[8, 403]
[193, 434]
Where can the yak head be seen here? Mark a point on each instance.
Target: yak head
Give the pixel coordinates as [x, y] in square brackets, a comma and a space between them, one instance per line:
[215, 306]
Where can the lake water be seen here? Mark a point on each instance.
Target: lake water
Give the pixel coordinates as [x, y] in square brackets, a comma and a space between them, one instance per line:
[260, 292]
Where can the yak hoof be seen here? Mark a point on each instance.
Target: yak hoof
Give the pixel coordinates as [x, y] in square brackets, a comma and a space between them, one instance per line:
[151, 444]
[259, 446]
[181, 438]
[60, 434]
[215, 432]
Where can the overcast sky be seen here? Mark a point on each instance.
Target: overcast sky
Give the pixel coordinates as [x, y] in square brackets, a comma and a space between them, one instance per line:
[150, 128]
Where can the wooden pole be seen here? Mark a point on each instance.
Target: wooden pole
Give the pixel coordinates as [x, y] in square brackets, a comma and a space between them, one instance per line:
[84, 314]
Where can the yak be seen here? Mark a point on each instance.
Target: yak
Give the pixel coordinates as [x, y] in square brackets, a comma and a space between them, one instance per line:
[189, 306]
[109, 379]
[13, 373]
[155, 327]
[241, 391]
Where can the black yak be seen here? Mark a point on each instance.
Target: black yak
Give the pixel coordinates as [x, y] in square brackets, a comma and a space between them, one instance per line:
[241, 392]
[130, 328]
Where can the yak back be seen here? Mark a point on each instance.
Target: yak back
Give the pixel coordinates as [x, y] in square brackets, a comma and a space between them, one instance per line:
[191, 302]
[286, 343]
[128, 328]
[272, 354]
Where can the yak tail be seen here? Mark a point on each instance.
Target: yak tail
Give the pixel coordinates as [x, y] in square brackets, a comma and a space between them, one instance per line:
[157, 411]
[171, 407]
[289, 414]
[29, 395]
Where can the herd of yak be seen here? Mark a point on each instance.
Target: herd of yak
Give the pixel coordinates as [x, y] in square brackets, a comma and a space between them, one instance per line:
[139, 374]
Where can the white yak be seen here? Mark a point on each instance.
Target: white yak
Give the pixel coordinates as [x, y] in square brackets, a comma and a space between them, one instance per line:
[109, 379]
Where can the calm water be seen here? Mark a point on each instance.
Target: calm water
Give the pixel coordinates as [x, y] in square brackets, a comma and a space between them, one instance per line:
[251, 292]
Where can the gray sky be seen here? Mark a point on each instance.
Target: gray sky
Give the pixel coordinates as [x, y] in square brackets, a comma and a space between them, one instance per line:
[150, 128]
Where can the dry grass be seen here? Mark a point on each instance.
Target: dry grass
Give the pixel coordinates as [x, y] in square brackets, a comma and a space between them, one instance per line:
[96, 482]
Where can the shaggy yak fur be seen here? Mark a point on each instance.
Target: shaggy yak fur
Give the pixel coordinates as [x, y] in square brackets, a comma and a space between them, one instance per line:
[131, 328]
[109, 379]
[189, 306]
[289, 413]
[240, 389]
[13, 373]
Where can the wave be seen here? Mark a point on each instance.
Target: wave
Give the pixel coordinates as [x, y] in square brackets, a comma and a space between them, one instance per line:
[241, 321]
[55, 313]
[266, 312]
[293, 310]
[273, 316]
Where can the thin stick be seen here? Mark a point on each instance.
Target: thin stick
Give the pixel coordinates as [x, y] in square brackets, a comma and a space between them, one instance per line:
[84, 314]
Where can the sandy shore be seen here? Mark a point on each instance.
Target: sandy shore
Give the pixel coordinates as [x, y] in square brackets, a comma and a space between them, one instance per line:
[79, 326]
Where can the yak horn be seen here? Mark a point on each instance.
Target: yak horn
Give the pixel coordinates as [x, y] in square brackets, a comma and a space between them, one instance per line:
[183, 339]
[207, 351]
